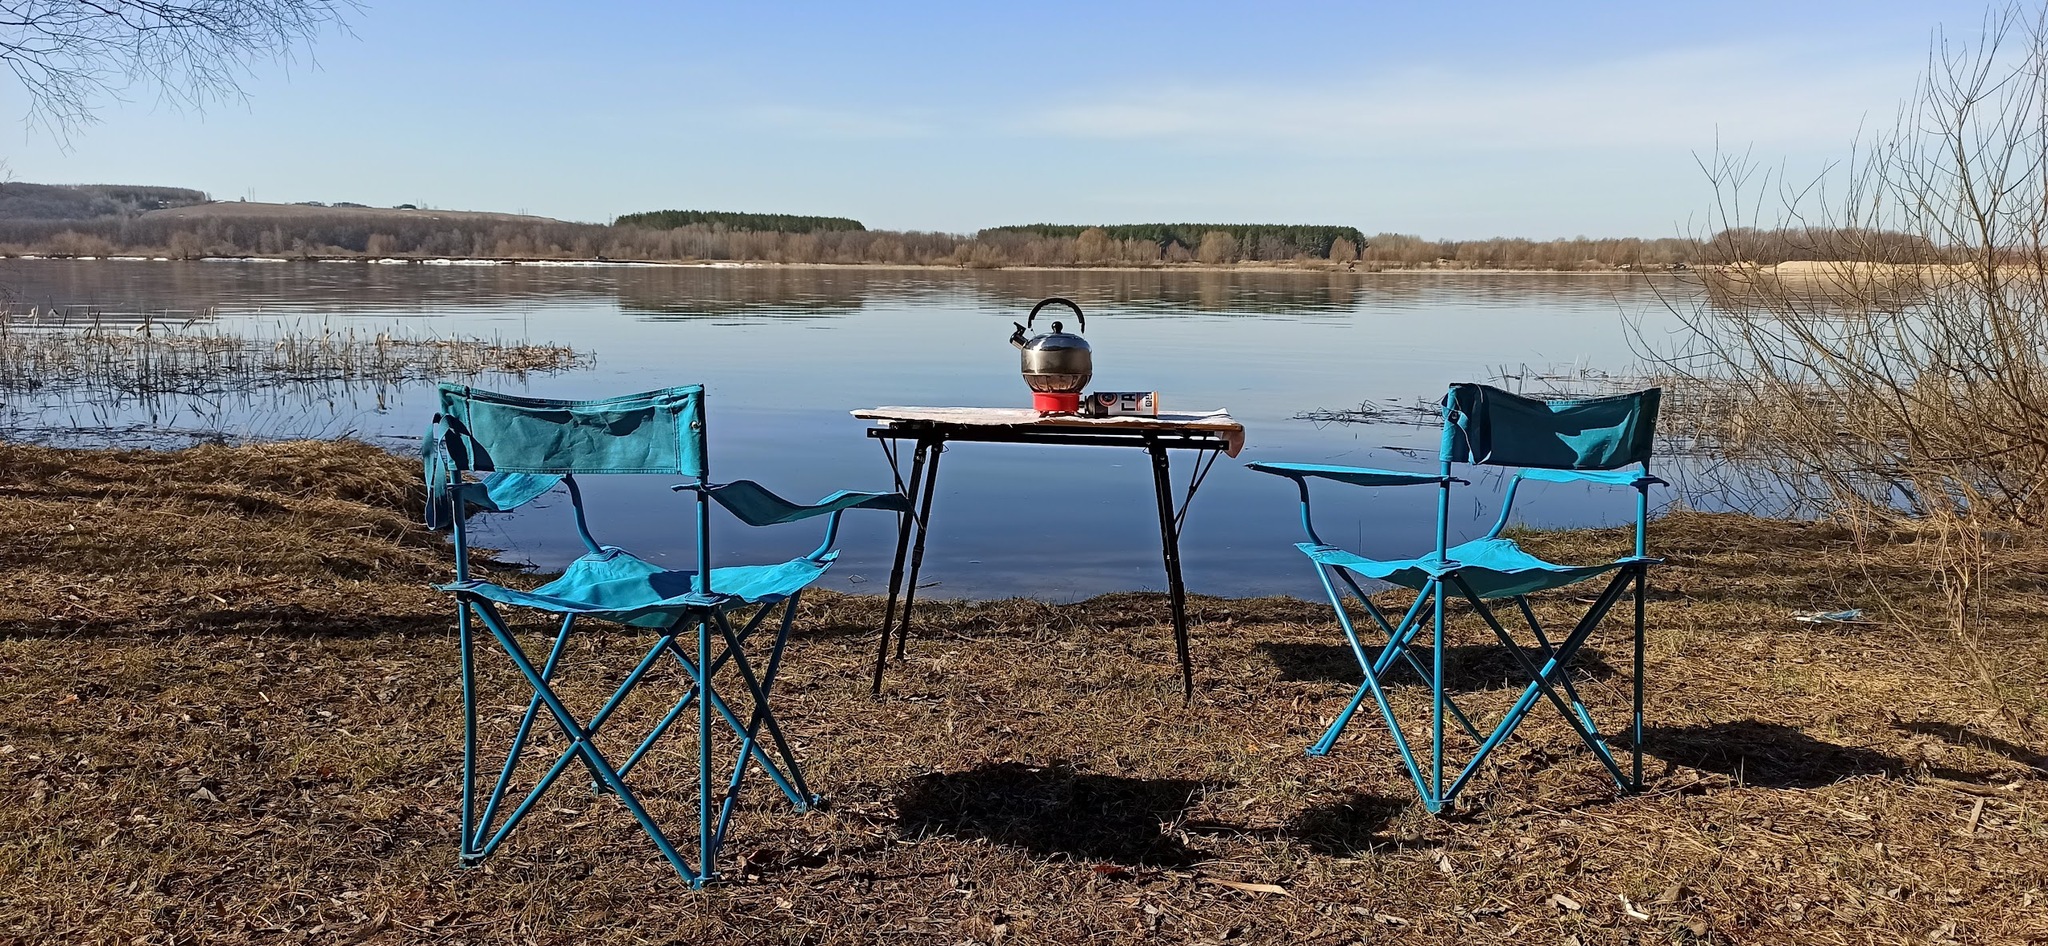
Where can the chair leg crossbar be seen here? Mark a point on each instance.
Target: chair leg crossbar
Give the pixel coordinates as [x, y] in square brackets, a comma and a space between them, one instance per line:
[1546, 670]
[712, 628]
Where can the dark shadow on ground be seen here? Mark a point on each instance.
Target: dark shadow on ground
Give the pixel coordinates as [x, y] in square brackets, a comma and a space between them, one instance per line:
[1349, 825]
[1054, 811]
[1965, 736]
[1467, 667]
[1770, 755]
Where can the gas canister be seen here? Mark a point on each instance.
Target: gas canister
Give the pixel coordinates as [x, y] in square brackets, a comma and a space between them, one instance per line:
[1122, 404]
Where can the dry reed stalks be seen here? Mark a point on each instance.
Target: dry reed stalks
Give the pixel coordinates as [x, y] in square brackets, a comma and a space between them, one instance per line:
[55, 351]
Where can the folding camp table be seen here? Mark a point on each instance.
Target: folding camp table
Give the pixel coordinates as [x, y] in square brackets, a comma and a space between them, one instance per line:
[931, 428]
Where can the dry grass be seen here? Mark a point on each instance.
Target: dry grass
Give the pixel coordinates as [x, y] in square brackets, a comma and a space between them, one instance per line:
[229, 712]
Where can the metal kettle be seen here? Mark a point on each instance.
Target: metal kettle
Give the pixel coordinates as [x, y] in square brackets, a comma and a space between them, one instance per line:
[1057, 362]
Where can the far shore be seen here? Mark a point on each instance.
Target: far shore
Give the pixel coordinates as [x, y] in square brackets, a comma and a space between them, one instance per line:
[1315, 267]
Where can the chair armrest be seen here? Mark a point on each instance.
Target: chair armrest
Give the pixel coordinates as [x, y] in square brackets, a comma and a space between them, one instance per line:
[1354, 475]
[1629, 478]
[754, 505]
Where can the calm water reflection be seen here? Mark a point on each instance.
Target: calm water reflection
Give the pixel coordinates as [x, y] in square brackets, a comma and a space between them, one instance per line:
[786, 353]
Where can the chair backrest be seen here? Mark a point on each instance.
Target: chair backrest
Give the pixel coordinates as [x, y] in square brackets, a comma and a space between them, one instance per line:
[527, 446]
[1486, 425]
[653, 432]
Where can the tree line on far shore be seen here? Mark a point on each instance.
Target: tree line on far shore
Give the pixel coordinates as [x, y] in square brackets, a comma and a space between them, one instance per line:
[775, 223]
[1207, 240]
[313, 235]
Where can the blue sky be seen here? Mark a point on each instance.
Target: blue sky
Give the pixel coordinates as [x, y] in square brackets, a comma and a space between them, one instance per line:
[1451, 120]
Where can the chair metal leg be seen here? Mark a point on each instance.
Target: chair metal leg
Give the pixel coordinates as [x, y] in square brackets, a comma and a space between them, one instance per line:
[481, 839]
[675, 712]
[547, 780]
[1549, 680]
[1405, 632]
[1329, 740]
[804, 799]
[707, 866]
[1372, 668]
[790, 777]
[1564, 679]
[1372, 685]
[580, 743]
[1636, 738]
[1540, 684]
[1437, 796]
[466, 854]
[512, 753]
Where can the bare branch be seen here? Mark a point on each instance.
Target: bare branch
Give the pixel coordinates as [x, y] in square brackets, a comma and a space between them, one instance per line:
[70, 55]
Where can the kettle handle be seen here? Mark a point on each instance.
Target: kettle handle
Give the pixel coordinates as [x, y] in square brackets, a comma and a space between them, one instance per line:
[1079, 319]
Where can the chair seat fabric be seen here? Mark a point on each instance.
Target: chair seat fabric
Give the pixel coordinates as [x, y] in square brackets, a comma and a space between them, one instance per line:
[614, 585]
[1494, 568]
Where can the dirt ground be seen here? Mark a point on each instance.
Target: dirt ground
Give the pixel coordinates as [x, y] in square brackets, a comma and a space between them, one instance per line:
[230, 712]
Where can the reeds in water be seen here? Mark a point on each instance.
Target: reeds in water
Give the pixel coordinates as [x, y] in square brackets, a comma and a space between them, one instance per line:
[46, 352]
[1697, 418]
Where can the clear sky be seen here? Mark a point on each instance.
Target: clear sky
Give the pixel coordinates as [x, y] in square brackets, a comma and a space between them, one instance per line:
[1446, 119]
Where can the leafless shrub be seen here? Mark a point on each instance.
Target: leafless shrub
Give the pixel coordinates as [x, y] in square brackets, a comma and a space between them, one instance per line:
[1897, 382]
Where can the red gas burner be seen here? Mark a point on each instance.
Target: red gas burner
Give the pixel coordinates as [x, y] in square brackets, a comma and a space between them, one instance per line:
[1049, 402]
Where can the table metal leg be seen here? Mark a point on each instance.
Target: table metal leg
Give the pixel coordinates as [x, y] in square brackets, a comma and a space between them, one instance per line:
[1169, 545]
[904, 524]
[924, 528]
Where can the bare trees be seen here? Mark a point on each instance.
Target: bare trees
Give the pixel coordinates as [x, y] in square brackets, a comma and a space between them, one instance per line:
[70, 54]
[1217, 247]
[1901, 369]
[1895, 376]
[1401, 250]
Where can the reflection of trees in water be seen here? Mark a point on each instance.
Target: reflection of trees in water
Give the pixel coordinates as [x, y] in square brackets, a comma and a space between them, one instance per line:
[790, 291]
[114, 288]
[770, 292]
[802, 292]
[1196, 290]
[1297, 295]
[1823, 289]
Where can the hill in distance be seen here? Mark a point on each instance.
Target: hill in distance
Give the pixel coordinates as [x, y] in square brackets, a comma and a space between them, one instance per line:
[24, 201]
[56, 202]
[250, 209]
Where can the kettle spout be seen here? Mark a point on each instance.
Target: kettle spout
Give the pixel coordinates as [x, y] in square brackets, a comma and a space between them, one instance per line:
[1017, 337]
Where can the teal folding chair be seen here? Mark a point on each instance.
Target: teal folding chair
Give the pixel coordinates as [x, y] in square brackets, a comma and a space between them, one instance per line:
[489, 452]
[1587, 440]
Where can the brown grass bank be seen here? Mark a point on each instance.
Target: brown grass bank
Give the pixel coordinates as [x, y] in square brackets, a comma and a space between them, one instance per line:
[228, 713]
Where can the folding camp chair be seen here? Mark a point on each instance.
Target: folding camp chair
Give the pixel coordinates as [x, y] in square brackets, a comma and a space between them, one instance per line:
[525, 447]
[1557, 441]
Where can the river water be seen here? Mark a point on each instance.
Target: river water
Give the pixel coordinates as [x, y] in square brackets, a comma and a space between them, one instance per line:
[786, 353]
